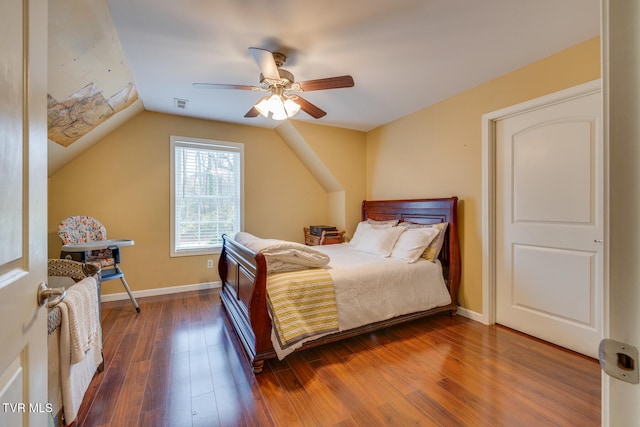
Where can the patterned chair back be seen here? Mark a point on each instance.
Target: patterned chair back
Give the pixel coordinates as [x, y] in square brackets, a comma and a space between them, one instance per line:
[81, 229]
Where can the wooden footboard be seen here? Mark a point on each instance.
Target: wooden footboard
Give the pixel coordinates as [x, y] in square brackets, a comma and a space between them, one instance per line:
[244, 297]
[244, 276]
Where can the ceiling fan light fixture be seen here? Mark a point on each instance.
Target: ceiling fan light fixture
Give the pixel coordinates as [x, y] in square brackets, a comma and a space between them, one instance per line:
[278, 107]
[291, 107]
[281, 104]
[263, 106]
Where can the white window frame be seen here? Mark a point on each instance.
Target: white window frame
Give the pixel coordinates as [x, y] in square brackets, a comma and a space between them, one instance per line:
[207, 144]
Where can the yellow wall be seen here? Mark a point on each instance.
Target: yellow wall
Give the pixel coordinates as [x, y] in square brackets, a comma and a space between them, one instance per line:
[124, 182]
[437, 151]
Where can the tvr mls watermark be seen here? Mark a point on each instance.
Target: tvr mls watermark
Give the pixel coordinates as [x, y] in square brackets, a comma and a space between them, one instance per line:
[21, 407]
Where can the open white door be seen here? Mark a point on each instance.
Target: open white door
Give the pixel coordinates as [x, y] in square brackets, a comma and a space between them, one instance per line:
[621, 89]
[23, 212]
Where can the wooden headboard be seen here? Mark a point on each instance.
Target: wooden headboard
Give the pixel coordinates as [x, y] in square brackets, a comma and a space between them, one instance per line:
[425, 211]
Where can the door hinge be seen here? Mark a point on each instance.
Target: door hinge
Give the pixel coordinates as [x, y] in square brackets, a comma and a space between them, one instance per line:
[620, 360]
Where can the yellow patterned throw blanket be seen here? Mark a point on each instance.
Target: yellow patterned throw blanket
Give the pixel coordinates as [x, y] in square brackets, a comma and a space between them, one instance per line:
[302, 304]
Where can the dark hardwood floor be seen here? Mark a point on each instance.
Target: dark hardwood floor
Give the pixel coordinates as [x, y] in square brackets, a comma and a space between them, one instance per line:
[178, 364]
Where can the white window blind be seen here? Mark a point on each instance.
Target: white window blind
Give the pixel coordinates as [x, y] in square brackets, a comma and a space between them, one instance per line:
[207, 194]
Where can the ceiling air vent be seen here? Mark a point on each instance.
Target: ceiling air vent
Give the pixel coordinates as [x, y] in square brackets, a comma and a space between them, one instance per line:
[180, 103]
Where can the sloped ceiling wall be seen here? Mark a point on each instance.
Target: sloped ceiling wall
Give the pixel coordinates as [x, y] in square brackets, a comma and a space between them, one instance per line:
[91, 88]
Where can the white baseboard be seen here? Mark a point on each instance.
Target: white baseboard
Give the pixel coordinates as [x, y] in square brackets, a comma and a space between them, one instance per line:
[161, 291]
[470, 314]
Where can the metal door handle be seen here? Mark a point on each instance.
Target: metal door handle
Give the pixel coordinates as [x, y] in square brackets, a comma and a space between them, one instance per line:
[44, 293]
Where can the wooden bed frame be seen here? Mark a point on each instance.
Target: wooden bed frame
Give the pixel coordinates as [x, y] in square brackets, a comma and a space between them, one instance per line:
[244, 275]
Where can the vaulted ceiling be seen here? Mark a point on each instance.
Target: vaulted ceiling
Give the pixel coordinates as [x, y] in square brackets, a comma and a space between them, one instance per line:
[110, 59]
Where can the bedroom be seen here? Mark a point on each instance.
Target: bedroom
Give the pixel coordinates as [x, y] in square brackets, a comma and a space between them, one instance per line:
[351, 156]
[363, 163]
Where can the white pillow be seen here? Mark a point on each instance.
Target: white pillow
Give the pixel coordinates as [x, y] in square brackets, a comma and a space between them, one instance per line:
[379, 241]
[412, 243]
[433, 250]
[362, 228]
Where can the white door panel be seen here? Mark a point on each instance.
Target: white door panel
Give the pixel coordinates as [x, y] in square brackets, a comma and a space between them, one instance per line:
[552, 173]
[549, 224]
[567, 276]
[23, 207]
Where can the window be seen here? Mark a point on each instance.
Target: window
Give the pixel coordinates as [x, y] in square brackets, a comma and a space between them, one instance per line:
[206, 194]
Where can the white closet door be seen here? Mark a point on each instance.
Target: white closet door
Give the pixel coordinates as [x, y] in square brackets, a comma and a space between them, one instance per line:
[549, 223]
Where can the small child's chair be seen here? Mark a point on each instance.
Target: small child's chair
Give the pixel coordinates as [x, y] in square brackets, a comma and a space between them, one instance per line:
[82, 238]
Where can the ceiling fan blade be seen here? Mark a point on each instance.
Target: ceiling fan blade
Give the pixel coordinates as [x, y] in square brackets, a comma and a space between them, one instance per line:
[309, 108]
[252, 113]
[328, 83]
[223, 86]
[266, 63]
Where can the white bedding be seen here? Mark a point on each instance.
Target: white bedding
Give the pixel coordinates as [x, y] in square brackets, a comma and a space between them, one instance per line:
[282, 255]
[370, 288]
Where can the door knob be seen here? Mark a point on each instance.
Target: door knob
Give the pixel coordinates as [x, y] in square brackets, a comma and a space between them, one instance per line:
[44, 293]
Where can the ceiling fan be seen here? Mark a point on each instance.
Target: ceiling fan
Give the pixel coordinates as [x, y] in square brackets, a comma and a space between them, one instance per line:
[282, 102]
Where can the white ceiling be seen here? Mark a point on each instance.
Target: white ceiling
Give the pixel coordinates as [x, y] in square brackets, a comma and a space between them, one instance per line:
[404, 55]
